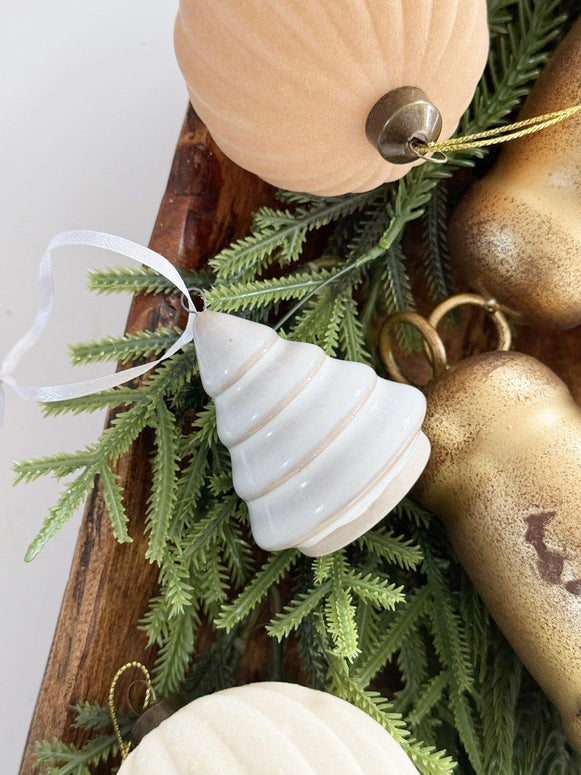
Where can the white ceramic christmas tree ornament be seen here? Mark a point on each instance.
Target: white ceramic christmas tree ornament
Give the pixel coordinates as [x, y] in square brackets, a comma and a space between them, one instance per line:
[321, 448]
[267, 728]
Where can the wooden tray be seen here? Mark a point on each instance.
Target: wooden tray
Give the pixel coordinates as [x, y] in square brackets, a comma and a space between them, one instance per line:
[208, 203]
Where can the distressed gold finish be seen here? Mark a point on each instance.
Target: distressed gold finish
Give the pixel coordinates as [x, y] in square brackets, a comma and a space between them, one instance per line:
[516, 235]
[504, 477]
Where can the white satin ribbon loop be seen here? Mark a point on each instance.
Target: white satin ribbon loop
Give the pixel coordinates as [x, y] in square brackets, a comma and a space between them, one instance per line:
[124, 247]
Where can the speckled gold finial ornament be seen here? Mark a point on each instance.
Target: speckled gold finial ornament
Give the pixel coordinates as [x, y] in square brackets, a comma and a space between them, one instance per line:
[516, 235]
[504, 477]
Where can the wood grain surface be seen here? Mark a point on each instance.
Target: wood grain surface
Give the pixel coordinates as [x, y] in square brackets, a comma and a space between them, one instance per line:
[207, 204]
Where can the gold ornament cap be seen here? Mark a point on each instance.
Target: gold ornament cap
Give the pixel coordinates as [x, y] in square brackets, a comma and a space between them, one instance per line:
[400, 119]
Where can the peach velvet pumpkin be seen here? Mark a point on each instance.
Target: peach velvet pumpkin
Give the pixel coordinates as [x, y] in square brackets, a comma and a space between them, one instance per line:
[285, 86]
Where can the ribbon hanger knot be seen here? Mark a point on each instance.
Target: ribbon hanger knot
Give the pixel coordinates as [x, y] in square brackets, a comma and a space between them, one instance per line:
[121, 246]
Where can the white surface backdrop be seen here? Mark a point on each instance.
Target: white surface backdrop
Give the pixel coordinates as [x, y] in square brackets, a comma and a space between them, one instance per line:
[92, 104]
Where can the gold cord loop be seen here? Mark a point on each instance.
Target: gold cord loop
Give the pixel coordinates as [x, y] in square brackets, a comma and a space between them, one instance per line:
[123, 746]
[493, 136]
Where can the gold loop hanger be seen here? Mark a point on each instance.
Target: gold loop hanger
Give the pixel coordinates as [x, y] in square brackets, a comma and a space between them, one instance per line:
[123, 746]
[433, 345]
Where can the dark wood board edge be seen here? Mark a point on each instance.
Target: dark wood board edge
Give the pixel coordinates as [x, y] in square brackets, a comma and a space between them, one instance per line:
[208, 203]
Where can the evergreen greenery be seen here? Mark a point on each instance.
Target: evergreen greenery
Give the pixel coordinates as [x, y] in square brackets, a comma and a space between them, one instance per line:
[394, 609]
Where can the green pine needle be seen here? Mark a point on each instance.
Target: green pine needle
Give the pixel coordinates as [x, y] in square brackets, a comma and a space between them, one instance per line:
[156, 621]
[249, 295]
[437, 257]
[498, 706]
[403, 624]
[204, 532]
[113, 495]
[450, 639]
[164, 483]
[59, 465]
[375, 589]
[427, 759]
[322, 568]
[121, 396]
[136, 280]
[175, 653]
[89, 715]
[71, 760]
[237, 554]
[293, 615]
[393, 549]
[189, 488]
[277, 565]
[465, 719]
[281, 240]
[340, 613]
[124, 429]
[178, 591]
[66, 506]
[432, 693]
[123, 349]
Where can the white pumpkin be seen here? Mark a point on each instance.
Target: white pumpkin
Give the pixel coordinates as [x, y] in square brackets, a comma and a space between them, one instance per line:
[268, 729]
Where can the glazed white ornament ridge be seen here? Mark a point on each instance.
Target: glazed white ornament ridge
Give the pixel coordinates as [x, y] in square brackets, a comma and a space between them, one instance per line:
[322, 449]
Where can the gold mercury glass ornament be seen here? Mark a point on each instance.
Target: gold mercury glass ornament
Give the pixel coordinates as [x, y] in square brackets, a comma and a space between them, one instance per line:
[504, 477]
[516, 234]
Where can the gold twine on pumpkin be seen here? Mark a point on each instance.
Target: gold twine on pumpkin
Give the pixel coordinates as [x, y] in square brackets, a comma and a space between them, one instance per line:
[124, 747]
[492, 136]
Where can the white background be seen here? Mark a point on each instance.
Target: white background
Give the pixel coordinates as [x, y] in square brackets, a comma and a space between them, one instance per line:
[91, 106]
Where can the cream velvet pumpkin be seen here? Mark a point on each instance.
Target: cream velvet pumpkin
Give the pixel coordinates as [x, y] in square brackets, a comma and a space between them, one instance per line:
[268, 729]
[285, 87]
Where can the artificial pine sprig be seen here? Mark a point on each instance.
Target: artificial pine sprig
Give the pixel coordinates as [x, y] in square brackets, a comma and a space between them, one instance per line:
[395, 601]
[137, 280]
[336, 584]
[66, 759]
[280, 236]
[242, 296]
[438, 280]
[426, 758]
[122, 349]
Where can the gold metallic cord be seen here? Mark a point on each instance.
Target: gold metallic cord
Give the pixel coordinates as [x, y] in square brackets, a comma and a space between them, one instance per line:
[494, 136]
[123, 746]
